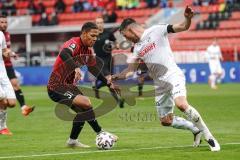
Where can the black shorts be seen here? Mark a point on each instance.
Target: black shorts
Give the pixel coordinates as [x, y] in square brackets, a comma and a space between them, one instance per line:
[64, 94]
[10, 72]
[142, 69]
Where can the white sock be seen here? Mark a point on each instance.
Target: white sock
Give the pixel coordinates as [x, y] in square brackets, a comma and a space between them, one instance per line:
[212, 80]
[195, 117]
[218, 79]
[181, 123]
[3, 119]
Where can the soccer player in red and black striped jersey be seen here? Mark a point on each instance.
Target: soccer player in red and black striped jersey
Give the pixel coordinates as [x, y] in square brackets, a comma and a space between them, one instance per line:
[26, 110]
[62, 87]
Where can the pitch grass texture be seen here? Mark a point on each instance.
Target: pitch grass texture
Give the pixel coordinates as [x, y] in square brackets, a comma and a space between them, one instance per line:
[42, 135]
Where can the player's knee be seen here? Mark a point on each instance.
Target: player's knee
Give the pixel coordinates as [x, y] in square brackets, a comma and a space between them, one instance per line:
[83, 102]
[11, 103]
[4, 103]
[167, 120]
[182, 104]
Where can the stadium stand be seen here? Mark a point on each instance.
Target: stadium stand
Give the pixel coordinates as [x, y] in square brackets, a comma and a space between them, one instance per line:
[220, 20]
[216, 19]
[140, 10]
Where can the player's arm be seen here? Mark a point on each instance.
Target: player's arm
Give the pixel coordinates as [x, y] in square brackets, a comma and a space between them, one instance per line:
[96, 70]
[132, 67]
[6, 52]
[66, 55]
[188, 14]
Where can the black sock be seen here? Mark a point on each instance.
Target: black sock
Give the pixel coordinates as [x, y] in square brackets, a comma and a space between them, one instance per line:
[76, 127]
[95, 126]
[140, 87]
[114, 94]
[93, 122]
[96, 92]
[87, 115]
[120, 101]
[20, 97]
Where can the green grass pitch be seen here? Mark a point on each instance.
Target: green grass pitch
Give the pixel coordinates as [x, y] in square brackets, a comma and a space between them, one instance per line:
[42, 135]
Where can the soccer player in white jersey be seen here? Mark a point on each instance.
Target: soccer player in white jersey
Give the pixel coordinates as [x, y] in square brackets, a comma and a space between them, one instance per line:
[7, 95]
[152, 46]
[214, 56]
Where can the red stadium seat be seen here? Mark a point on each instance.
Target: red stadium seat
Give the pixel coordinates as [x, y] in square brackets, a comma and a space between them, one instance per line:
[232, 24]
[68, 9]
[22, 12]
[49, 3]
[49, 10]
[69, 2]
[21, 4]
[235, 16]
[35, 18]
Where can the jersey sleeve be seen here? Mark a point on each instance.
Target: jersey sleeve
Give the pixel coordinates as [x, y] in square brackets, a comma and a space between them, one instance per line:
[4, 44]
[72, 46]
[112, 37]
[161, 29]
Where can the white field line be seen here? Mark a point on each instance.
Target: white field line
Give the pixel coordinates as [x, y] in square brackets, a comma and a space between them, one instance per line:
[103, 151]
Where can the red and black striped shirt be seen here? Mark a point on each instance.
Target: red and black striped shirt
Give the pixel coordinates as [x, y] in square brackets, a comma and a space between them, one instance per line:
[62, 74]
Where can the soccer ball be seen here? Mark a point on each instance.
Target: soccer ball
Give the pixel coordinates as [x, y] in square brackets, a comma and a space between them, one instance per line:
[105, 141]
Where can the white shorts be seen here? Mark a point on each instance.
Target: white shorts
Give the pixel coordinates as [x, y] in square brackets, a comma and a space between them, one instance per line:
[175, 85]
[6, 89]
[215, 67]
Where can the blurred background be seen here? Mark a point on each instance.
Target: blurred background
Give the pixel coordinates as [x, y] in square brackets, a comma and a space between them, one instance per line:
[39, 27]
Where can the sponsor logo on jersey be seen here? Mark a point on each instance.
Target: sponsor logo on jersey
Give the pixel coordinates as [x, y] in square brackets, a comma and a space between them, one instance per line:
[72, 46]
[147, 49]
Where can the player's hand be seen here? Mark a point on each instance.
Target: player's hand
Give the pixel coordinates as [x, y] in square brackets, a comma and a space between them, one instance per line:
[114, 77]
[109, 79]
[115, 88]
[77, 76]
[188, 13]
[7, 52]
[14, 55]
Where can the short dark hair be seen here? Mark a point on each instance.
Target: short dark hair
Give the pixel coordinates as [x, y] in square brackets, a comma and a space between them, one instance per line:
[126, 22]
[3, 16]
[88, 26]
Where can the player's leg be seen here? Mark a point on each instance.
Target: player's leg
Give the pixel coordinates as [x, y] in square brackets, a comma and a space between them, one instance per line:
[140, 84]
[64, 96]
[4, 104]
[98, 84]
[26, 110]
[83, 107]
[3, 107]
[176, 85]
[9, 100]
[212, 77]
[219, 72]
[194, 116]
[72, 97]
[165, 105]
[179, 95]
[3, 113]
